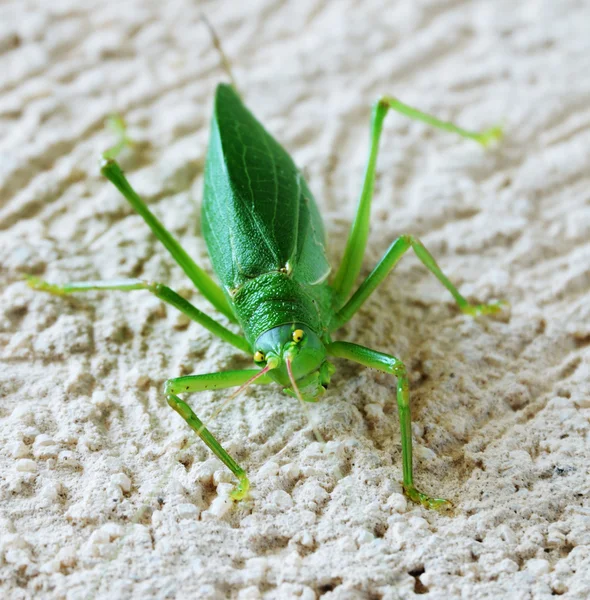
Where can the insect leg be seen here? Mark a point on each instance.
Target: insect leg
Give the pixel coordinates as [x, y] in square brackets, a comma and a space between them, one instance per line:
[212, 381]
[393, 366]
[117, 124]
[161, 291]
[350, 266]
[485, 138]
[388, 262]
[111, 170]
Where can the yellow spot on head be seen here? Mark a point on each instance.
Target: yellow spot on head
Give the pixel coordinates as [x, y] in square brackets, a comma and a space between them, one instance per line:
[258, 356]
[298, 335]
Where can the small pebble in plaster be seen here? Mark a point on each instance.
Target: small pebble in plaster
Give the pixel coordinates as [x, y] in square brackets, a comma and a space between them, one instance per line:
[43, 440]
[17, 449]
[374, 412]
[100, 399]
[364, 537]
[50, 492]
[290, 470]
[280, 499]
[222, 504]
[335, 448]
[268, 469]
[223, 479]
[555, 537]
[188, 511]
[397, 502]
[106, 533]
[45, 451]
[26, 465]
[424, 453]
[122, 481]
[311, 495]
[219, 508]
[538, 566]
[181, 321]
[68, 459]
[66, 558]
[250, 593]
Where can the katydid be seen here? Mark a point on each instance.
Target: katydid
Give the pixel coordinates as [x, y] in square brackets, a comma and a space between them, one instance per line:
[266, 243]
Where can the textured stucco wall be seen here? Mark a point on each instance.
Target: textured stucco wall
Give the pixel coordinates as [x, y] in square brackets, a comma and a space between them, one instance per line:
[105, 493]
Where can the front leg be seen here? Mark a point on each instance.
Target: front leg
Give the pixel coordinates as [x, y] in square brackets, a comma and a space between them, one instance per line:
[393, 366]
[213, 381]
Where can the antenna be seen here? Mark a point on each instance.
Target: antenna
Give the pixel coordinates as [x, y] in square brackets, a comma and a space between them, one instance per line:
[222, 55]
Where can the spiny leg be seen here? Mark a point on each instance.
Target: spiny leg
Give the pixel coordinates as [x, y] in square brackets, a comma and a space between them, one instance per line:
[350, 266]
[393, 366]
[111, 170]
[212, 381]
[161, 291]
[399, 247]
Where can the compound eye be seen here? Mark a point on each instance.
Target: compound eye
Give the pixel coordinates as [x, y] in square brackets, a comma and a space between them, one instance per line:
[298, 335]
[259, 356]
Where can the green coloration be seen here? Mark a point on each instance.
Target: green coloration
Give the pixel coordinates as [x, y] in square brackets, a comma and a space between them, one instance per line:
[111, 170]
[213, 381]
[266, 242]
[308, 356]
[161, 291]
[393, 366]
[186, 412]
[388, 262]
[119, 128]
[350, 267]
[261, 224]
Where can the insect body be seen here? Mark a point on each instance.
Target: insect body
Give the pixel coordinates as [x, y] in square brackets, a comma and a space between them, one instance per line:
[266, 242]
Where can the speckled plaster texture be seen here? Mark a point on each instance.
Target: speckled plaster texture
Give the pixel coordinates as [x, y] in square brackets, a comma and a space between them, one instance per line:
[106, 493]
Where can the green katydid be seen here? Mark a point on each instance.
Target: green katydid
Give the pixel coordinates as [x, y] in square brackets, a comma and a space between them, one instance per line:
[267, 247]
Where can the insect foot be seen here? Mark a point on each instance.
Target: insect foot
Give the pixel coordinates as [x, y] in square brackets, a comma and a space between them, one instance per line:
[241, 490]
[490, 136]
[477, 310]
[186, 412]
[43, 286]
[432, 503]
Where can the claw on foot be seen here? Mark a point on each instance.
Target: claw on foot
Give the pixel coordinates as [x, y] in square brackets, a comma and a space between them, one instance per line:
[426, 501]
[117, 124]
[42, 286]
[478, 310]
[241, 490]
[491, 135]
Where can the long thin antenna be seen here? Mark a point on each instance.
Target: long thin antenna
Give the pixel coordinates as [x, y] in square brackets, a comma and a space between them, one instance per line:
[241, 389]
[317, 434]
[222, 55]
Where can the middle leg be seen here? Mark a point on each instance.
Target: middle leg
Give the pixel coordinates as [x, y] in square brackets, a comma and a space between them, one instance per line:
[159, 290]
[388, 262]
[350, 267]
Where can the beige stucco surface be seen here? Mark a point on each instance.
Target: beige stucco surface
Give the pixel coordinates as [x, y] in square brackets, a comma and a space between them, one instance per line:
[106, 493]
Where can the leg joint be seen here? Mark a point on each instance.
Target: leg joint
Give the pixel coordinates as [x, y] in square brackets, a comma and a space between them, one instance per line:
[383, 102]
[398, 369]
[153, 286]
